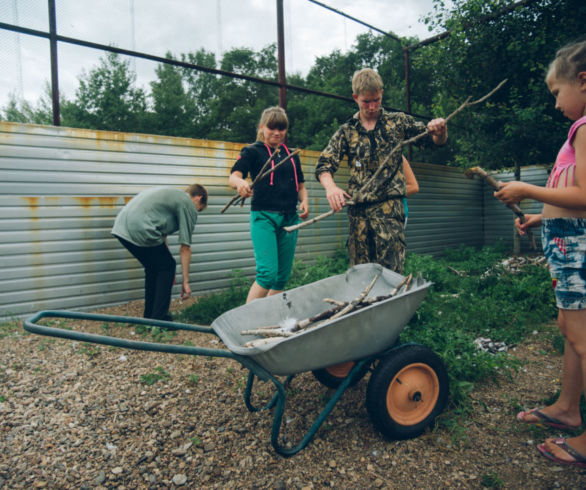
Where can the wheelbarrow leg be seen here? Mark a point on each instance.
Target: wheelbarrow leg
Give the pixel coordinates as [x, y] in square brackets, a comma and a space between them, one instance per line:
[280, 409]
[269, 405]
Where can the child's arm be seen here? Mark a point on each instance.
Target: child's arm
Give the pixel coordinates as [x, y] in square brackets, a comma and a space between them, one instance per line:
[236, 181]
[572, 197]
[531, 220]
[410, 179]
[303, 201]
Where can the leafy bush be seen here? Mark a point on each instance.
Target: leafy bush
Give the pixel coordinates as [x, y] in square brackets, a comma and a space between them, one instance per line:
[473, 296]
[211, 306]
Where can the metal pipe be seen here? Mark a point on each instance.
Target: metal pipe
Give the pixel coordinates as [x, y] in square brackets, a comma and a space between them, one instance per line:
[339, 12]
[54, 69]
[281, 56]
[408, 94]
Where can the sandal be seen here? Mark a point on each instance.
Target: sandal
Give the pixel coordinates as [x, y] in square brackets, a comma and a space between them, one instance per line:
[579, 458]
[544, 420]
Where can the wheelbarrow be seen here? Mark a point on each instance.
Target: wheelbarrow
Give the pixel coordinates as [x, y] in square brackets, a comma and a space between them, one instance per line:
[408, 387]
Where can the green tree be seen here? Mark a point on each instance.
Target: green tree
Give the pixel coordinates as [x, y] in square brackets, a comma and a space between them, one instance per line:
[107, 99]
[201, 91]
[518, 125]
[20, 110]
[170, 102]
[237, 105]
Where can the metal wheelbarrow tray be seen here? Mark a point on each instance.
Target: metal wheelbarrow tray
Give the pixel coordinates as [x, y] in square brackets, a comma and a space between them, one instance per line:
[356, 335]
[408, 387]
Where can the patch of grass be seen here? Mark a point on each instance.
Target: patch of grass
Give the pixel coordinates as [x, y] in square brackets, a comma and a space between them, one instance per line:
[323, 267]
[473, 296]
[193, 379]
[44, 344]
[9, 328]
[491, 480]
[90, 350]
[211, 306]
[152, 378]
[157, 334]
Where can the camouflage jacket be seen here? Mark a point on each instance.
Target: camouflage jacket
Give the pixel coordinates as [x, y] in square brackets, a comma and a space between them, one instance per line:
[367, 149]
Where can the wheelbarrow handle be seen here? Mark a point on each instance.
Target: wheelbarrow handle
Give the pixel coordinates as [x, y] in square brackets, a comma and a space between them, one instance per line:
[31, 325]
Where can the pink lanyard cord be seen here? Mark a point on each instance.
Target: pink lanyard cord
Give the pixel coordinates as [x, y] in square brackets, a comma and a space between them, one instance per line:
[292, 162]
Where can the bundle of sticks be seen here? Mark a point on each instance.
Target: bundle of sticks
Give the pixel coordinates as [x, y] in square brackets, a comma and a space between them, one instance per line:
[283, 330]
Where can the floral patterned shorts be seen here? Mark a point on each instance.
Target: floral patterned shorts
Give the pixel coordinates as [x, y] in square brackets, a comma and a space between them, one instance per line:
[564, 246]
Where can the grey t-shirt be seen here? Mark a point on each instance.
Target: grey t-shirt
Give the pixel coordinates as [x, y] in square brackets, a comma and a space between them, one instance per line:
[155, 213]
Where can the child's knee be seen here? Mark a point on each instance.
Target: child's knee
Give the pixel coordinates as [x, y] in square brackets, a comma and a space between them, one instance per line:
[267, 278]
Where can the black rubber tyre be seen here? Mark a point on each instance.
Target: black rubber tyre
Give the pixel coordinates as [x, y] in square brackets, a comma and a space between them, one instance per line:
[332, 376]
[408, 389]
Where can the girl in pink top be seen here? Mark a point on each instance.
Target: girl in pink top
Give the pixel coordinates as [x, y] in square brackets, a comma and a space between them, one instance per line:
[563, 221]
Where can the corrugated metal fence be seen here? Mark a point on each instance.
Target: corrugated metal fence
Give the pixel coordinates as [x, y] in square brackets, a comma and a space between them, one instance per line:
[61, 188]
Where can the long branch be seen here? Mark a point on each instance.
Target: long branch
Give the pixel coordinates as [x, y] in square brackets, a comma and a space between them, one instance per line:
[396, 149]
[265, 165]
[491, 181]
[261, 175]
[268, 172]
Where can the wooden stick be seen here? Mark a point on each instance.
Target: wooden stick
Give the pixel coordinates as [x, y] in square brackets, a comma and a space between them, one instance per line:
[349, 307]
[267, 332]
[491, 181]
[311, 221]
[259, 342]
[261, 175]
[342, 308]
[265, 165]
[336, 302]
[300, 325]
[396, 149]
[405, 282]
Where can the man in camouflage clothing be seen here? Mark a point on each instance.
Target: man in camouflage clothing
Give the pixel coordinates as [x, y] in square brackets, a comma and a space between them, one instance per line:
[376, 223]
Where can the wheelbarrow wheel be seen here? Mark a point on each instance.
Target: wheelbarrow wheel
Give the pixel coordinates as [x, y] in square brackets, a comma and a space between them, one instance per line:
[332, 376]
[407, 391]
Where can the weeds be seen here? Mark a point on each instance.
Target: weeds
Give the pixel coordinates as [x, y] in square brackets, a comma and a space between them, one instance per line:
[211, 306]
[157, 334]
[151, 378]
[492, 480]
[90, 350]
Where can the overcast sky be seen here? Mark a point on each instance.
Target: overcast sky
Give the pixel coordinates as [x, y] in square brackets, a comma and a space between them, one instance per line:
[181, 26]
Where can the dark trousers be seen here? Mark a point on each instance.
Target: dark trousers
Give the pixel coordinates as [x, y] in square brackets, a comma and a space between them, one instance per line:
[159, 269]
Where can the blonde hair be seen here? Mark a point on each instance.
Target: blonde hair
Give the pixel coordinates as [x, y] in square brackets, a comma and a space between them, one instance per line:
[366, 81]
[568, 62]
[272, 117]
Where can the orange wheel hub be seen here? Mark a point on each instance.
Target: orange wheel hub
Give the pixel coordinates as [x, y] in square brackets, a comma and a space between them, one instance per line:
[340, 370]
[412, 394]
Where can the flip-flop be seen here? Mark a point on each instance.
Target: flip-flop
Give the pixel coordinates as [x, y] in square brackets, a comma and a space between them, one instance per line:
[579, 459]
[543, 419]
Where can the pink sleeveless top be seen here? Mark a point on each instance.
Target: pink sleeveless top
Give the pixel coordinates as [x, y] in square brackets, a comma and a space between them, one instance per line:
[565, 163]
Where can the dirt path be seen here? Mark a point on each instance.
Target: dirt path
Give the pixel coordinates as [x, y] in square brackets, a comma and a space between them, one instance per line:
[81, 416]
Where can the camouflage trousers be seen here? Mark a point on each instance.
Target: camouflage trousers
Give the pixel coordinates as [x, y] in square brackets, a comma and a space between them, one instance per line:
[377, 234]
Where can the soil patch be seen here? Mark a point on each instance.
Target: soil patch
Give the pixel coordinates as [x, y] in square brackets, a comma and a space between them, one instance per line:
[76, 415]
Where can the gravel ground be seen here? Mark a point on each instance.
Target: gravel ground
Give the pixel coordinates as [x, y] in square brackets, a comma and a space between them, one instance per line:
[74, 415]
